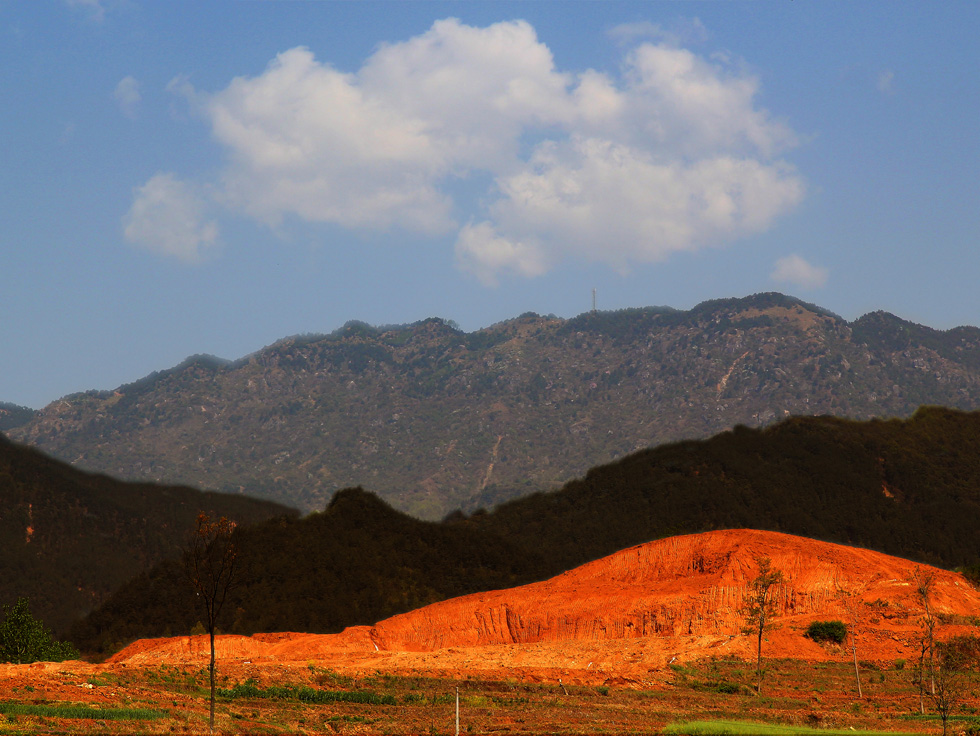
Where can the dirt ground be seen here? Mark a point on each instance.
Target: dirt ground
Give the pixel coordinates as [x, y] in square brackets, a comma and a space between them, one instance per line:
[527, 701]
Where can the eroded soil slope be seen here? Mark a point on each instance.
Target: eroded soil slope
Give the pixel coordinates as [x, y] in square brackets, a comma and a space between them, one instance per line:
[623, 618]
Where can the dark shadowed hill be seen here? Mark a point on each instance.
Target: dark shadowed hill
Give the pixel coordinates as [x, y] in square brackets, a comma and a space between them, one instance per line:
[433, 419]
[909, 488]
[70, 538]
[354, 562]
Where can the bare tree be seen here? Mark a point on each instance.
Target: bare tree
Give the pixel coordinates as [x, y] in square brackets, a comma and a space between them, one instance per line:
[948, 686]
[210, 561]
[761, 608]
[923, 582]
[853, 618]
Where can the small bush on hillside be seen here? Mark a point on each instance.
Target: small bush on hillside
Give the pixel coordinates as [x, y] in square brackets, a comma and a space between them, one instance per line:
[832, 631]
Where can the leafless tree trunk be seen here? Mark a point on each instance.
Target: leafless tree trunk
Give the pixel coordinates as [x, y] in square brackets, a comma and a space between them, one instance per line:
[923, 582]
[209, 560]
[947, 683]
[851, 606]
[761, 607]
[857, 672]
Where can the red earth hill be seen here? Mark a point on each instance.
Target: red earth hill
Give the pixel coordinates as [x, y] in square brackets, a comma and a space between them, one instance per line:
[623, 617]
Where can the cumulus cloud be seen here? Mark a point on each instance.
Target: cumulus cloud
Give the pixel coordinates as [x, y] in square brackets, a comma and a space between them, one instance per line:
[481, 250]
[672, 154]
[376, 149]
[617, 204]
[168, 218]
[128, 96]
[795, 270]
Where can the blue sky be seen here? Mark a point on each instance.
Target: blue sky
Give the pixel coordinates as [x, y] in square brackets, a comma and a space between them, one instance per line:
[186, 177]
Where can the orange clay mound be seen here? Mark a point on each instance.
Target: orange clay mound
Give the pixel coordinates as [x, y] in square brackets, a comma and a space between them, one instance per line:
[626, 616]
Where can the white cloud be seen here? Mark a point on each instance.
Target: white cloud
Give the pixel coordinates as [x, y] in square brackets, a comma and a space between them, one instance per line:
[305, 139]
[795, 270]
[167, 217]
[67, 133]
[886, 80]
[483, 252]
[682, 31]
[616, 204]
[94, 8]
[685, 106]
[671, 155]
[376, 148]
[628, 33]
[127, 94]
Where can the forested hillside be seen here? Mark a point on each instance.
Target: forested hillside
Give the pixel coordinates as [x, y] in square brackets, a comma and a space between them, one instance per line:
[69, 538]
[908, 488]
[12, 415]
[433, 419]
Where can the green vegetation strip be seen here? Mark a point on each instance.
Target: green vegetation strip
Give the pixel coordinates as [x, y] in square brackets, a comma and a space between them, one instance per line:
[249, 689]
[937, 717]
[80, 711]
[738, 728]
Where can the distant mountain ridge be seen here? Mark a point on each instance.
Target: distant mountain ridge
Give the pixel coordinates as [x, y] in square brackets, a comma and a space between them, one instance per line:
[12, 415]
[434, 419]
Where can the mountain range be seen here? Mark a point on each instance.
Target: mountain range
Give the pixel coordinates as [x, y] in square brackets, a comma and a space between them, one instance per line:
[434, 419]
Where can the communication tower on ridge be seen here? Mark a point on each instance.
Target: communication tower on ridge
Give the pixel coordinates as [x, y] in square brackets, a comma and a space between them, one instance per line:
[593, 300]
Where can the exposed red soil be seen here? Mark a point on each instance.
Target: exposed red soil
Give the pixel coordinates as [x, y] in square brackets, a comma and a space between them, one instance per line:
[618, 620]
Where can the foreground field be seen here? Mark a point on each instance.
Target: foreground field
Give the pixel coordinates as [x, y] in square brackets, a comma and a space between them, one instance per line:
[277, 699]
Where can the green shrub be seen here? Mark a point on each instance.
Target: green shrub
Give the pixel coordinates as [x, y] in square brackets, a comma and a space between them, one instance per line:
[729, 688]
[24, 639]
[821, 631]
[721, 687]
[303, 693]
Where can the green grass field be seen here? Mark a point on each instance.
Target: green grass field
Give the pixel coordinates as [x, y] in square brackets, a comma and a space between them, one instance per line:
[62, 710]
[740, 728]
